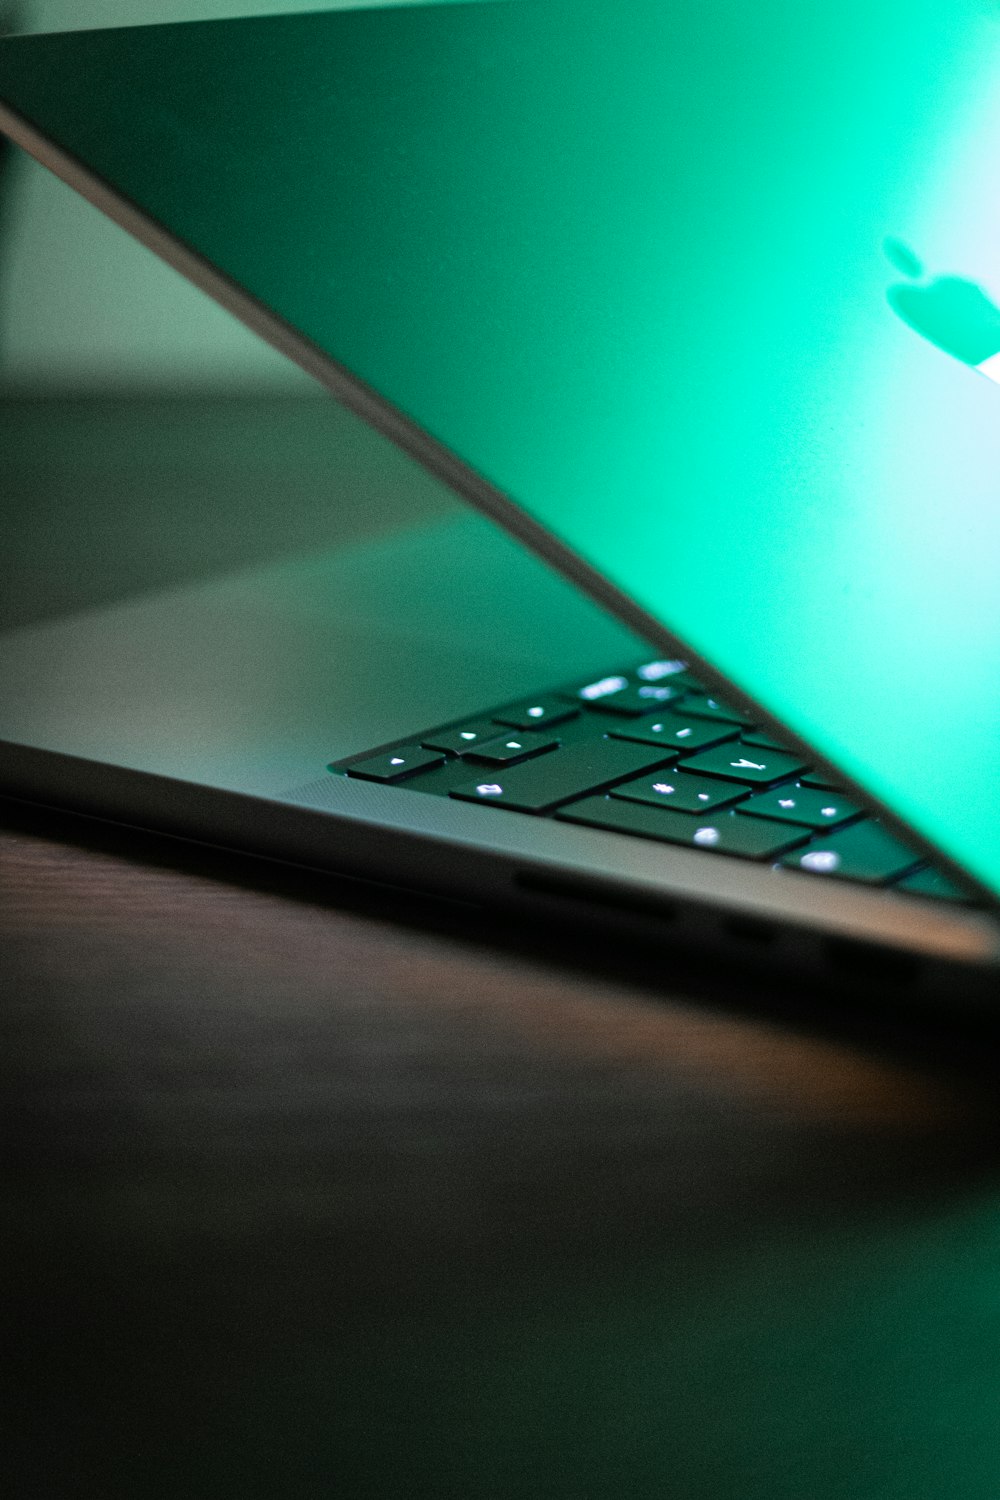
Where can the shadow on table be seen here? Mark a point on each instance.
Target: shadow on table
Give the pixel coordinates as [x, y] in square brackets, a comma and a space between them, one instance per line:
[312, 1190]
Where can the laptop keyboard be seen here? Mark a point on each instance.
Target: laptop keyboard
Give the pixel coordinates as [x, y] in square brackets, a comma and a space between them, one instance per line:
[652, 753]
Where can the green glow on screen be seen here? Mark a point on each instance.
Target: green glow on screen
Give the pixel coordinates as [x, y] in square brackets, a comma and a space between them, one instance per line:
[629, 262]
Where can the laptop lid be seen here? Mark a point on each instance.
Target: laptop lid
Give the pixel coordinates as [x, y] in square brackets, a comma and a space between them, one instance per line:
[695, 299]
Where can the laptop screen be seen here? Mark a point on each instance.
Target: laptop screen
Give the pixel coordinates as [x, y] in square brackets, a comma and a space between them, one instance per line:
[707, 291]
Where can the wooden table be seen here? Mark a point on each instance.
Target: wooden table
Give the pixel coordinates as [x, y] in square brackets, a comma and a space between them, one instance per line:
[314, 1190]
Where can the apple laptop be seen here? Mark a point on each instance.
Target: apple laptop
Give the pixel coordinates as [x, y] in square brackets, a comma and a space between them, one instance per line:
[695, 302]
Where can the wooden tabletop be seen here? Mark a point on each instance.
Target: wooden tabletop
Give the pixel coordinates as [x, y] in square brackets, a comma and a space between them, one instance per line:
[312, 1189]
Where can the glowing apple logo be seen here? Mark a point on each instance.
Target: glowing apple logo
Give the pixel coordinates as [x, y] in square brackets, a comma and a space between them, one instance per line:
[948, 311]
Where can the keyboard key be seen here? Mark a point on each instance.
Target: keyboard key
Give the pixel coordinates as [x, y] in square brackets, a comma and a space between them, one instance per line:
[802, 804]
[693, 794]
[505, 751]
[748, 838]
[460, 741]
[636, 700]
[674, 729]
[537, 785]
[743, 763]
[931, 882]
[656, 671]
[395, 765]
[537, 713]
[820, 780]
[703, 706]
[864, 851]
[602, 687]
[763, 741]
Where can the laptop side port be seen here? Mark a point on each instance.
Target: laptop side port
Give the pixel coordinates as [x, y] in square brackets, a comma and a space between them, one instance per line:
[750, 930]
[595, 892]
[868, 962]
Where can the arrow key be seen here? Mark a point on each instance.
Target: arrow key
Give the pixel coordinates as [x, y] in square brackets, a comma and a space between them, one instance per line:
[462, 740]
[395, 765]
[537, 713]
[506, 750]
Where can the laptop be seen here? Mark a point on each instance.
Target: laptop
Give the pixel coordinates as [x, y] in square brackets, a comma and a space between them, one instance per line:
[691, 305]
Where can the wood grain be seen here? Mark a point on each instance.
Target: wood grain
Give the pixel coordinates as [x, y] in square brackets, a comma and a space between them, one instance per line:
[311, 1189]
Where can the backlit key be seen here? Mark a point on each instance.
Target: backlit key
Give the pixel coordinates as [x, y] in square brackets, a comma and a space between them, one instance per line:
[395, 765]
[932, 883]
[513, 747]
[720, 833]
[739, 762]
[656, 671]
[704, 706]
[864, 851]
[674, 729]
[536, 713]
[460, 741]
[638, 698]
[802, 804]
[544, 783]
[693, 794]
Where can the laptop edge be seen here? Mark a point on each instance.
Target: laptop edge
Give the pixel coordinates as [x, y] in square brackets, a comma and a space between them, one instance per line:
[416, 840]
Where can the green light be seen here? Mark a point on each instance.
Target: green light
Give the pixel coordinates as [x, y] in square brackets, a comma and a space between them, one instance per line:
[629, 264]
